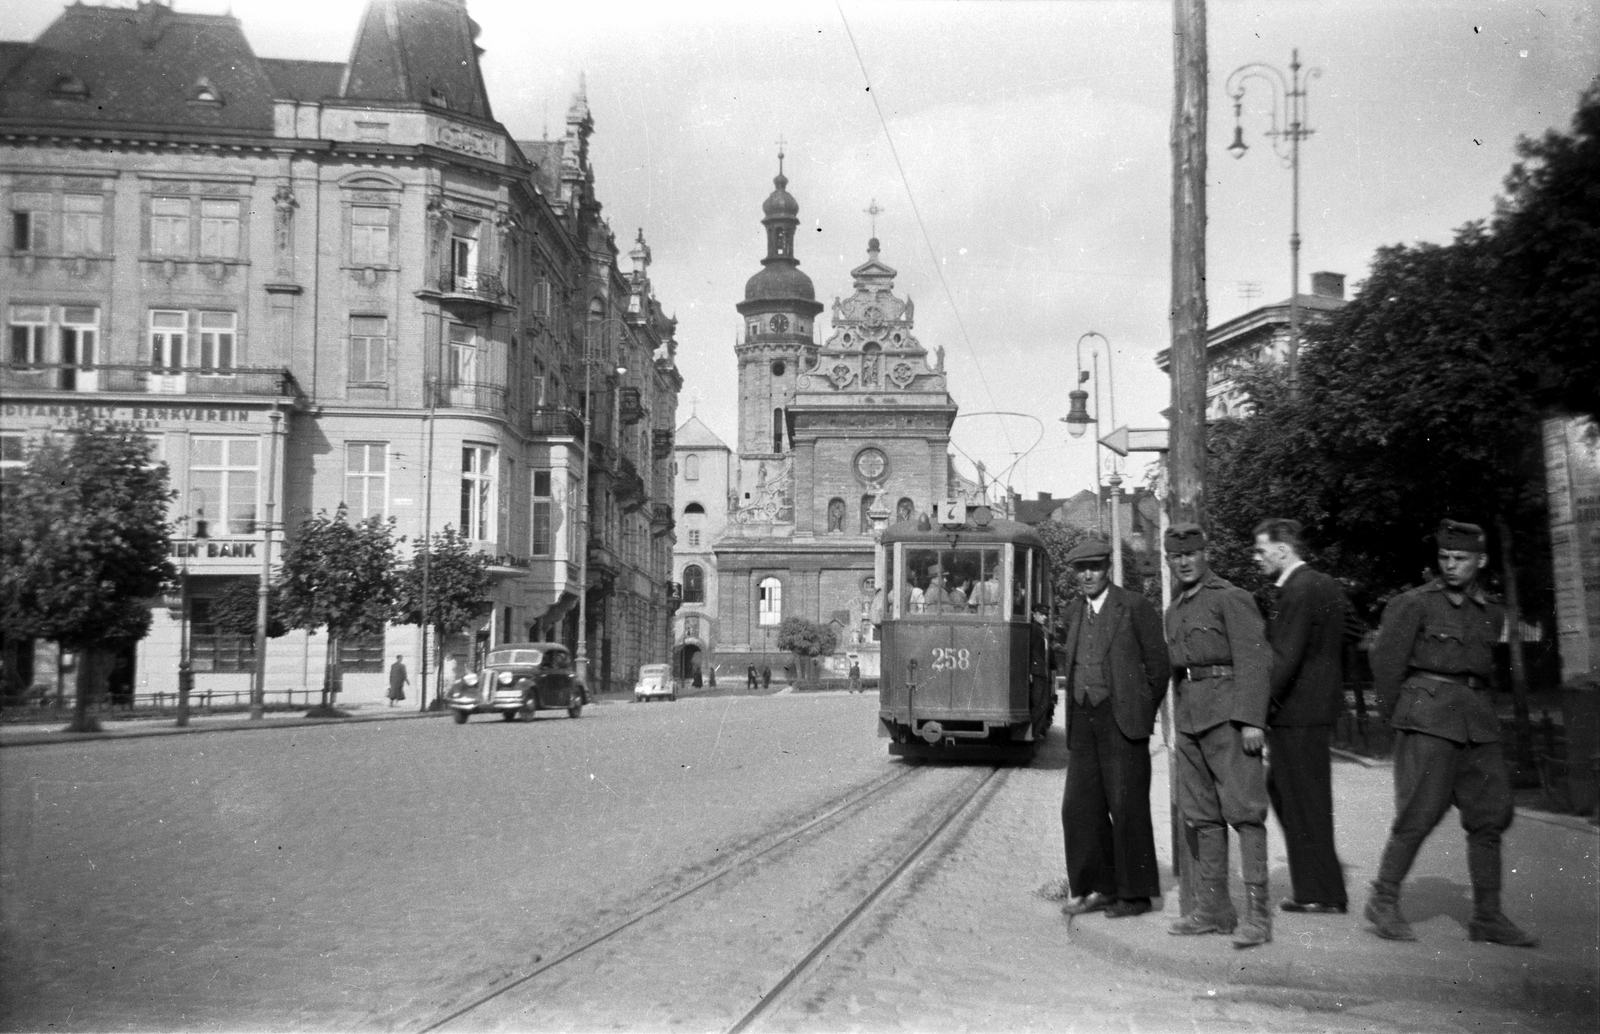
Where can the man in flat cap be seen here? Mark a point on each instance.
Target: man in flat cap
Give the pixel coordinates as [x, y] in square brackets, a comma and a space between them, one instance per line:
[1116, 666]
[1306, 630]
[1221, 664]
[1432, 666]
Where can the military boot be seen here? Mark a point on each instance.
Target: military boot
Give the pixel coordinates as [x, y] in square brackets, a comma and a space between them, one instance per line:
[1257, 926]
[1213, 912]
[1383, 912]
[1490, 924]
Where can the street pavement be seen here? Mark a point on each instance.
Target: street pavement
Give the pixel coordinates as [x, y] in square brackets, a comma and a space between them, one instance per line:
[331, 941]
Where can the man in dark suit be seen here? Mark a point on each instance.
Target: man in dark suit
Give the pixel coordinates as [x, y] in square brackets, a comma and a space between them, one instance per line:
[1306, 632]
[1116, 663]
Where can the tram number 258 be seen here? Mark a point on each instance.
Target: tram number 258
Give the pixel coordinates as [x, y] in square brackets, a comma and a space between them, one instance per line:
[948, 658]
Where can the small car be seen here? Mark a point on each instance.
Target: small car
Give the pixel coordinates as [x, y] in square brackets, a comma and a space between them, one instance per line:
[655, 680]
[516, 680]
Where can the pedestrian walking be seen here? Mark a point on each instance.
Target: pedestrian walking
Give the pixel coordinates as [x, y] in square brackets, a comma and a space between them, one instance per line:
[750, 680]
[1305, 629]
[397, 680]
[1221, 664]
[1115, 657]
[855, 676]
[1432, 666]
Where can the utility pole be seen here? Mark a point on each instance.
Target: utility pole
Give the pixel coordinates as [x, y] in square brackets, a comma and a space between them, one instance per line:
[1187, 458]
[258, 679]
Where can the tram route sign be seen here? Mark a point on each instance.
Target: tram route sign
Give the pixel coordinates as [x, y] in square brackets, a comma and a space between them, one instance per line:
[951, 511]
[1137, 439]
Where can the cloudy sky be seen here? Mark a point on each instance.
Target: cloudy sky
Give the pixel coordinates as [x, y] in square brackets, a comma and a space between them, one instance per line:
[1019, 151]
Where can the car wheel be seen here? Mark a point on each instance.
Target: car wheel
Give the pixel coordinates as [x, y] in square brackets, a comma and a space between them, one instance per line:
[672, 696]
[575, 705]
[509, 716]
[461, 717]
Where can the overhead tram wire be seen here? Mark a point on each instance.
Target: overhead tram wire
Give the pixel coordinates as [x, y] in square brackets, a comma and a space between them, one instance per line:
[1020, 456]
[921, 226]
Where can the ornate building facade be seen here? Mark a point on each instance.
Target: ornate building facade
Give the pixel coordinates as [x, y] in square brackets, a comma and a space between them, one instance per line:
[701, 489]
[836, 439]
[325, 283]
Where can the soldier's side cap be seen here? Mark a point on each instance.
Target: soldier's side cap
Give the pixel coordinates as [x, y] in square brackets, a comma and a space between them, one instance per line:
[1089, 550]
[1185, 538]
[1460, 535]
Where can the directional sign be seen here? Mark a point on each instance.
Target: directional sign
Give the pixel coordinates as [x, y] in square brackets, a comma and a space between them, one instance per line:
[1136, 439]
[953, 511]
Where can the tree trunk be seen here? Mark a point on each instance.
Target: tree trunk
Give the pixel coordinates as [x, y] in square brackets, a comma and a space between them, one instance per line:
[88, 683]
[438, 656]
[1522, 722]
[327, 669]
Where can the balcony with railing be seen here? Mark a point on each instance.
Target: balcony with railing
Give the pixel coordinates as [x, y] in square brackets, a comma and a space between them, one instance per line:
[131, 379]
[474, 288]
[480, 396]
[552, 422]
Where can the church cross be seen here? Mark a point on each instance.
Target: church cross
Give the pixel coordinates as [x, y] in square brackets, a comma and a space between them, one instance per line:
[874, 211]
[780, 154]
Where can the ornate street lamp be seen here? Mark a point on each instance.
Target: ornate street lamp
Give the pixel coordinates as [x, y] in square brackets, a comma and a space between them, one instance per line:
[1078, 417]
[1291, 93]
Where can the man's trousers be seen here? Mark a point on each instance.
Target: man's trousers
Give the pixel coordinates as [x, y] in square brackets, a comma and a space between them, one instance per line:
[1430, 774]
[1105, 810]
[1220, 786]
[1300, 786]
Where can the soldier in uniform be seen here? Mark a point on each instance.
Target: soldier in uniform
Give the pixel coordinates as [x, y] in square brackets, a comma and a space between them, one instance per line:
[1432, 663]
[1221, 665]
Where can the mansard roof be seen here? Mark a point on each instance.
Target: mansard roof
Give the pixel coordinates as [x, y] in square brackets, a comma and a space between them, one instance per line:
[304, 80]
[422, 51]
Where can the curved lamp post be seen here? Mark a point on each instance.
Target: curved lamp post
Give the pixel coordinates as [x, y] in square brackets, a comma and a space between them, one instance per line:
[591, 332]
[1290, 92]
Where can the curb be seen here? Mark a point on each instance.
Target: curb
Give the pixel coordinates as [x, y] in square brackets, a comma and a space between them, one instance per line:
[1517, 987]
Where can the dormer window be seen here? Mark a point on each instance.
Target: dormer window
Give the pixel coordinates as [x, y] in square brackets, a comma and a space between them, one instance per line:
[437, 98]
[70, 87]
[202, 92]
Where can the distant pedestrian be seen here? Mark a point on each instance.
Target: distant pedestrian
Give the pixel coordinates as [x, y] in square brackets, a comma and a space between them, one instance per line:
[766, 677]
[1432, 665]
[1221, 662]
[855, 676]
[397, 680]
[1305, 629]
[1116, 675]
[751, 682]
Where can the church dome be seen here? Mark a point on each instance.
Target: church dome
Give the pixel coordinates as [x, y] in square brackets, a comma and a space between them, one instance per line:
[780, 202]
[779, 281]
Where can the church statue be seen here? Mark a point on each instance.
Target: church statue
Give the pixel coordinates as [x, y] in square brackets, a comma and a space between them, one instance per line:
[836, 515]
[939, 351]
[905, 510]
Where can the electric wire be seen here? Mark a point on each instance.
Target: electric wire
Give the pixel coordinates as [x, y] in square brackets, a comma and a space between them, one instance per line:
[938, 267]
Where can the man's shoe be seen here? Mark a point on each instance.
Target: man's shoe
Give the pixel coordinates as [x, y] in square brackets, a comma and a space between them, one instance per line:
[1257, 926]
[1497, 929]
[1383, 912]
[1095, 902]
[1313, 907]
[1128, 907]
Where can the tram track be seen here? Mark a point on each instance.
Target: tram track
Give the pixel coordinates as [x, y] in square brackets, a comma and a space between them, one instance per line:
[831, 853]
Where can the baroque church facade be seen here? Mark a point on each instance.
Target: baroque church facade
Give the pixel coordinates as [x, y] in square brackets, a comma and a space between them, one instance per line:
[837, 438]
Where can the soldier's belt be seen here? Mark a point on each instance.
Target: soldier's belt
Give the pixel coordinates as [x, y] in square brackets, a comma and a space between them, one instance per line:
[1470, 681]
[1196, 672]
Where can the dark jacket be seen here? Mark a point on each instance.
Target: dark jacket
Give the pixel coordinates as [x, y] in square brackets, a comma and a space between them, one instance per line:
[1217, 623]
[1425, 631]
[1135, 659]
[1306, 633]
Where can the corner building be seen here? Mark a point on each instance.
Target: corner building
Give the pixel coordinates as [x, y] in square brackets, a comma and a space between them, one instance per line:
[834, 439]
[336, 282]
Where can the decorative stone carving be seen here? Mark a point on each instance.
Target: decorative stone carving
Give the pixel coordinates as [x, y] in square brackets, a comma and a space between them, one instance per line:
[770, 503]
[284, 204]
[902, 373]
[841, 374]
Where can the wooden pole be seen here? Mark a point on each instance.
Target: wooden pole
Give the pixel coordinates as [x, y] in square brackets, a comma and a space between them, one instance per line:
[1186, 487]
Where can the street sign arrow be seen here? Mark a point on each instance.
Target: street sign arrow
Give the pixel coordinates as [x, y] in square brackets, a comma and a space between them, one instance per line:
[1136, 439]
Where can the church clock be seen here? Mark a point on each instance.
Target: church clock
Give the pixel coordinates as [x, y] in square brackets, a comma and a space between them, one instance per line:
[779, 323]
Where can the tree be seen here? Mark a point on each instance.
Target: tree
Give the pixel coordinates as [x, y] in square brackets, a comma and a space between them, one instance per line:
[1059, 540]
[84, 546]
[458, 592]
[339, 576]
[234, 610]
[807, 640]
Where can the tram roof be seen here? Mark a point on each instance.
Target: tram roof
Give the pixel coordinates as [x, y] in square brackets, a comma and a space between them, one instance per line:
[997, 531]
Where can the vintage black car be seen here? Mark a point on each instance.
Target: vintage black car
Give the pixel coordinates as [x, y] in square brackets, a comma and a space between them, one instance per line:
[518, 679]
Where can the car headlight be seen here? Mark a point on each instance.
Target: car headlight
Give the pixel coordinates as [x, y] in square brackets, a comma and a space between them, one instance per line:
[471, 679]
[506, 678]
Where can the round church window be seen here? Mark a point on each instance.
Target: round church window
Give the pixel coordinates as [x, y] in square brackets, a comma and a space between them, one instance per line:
[871, 464]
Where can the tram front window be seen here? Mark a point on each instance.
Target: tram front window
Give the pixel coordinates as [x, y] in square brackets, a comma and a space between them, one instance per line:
[952, 581]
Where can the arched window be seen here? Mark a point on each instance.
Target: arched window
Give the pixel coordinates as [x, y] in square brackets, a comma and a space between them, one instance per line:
[771, 603]
[691, 467]
[694, 508]
[694, 584]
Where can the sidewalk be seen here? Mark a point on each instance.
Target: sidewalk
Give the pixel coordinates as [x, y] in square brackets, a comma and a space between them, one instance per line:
[24, 734]
[1552, 888]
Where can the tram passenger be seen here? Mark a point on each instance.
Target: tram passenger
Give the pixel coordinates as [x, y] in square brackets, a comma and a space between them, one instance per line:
[957, 600]
[988, 593]
[935, 600]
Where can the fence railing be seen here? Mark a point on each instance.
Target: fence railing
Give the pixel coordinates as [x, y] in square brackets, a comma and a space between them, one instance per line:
[151, 380]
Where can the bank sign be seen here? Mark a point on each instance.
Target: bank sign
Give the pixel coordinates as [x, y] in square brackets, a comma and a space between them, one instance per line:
[206, 556]
[139, 417]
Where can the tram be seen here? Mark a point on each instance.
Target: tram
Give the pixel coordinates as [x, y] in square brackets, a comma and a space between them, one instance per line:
[965, 617]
